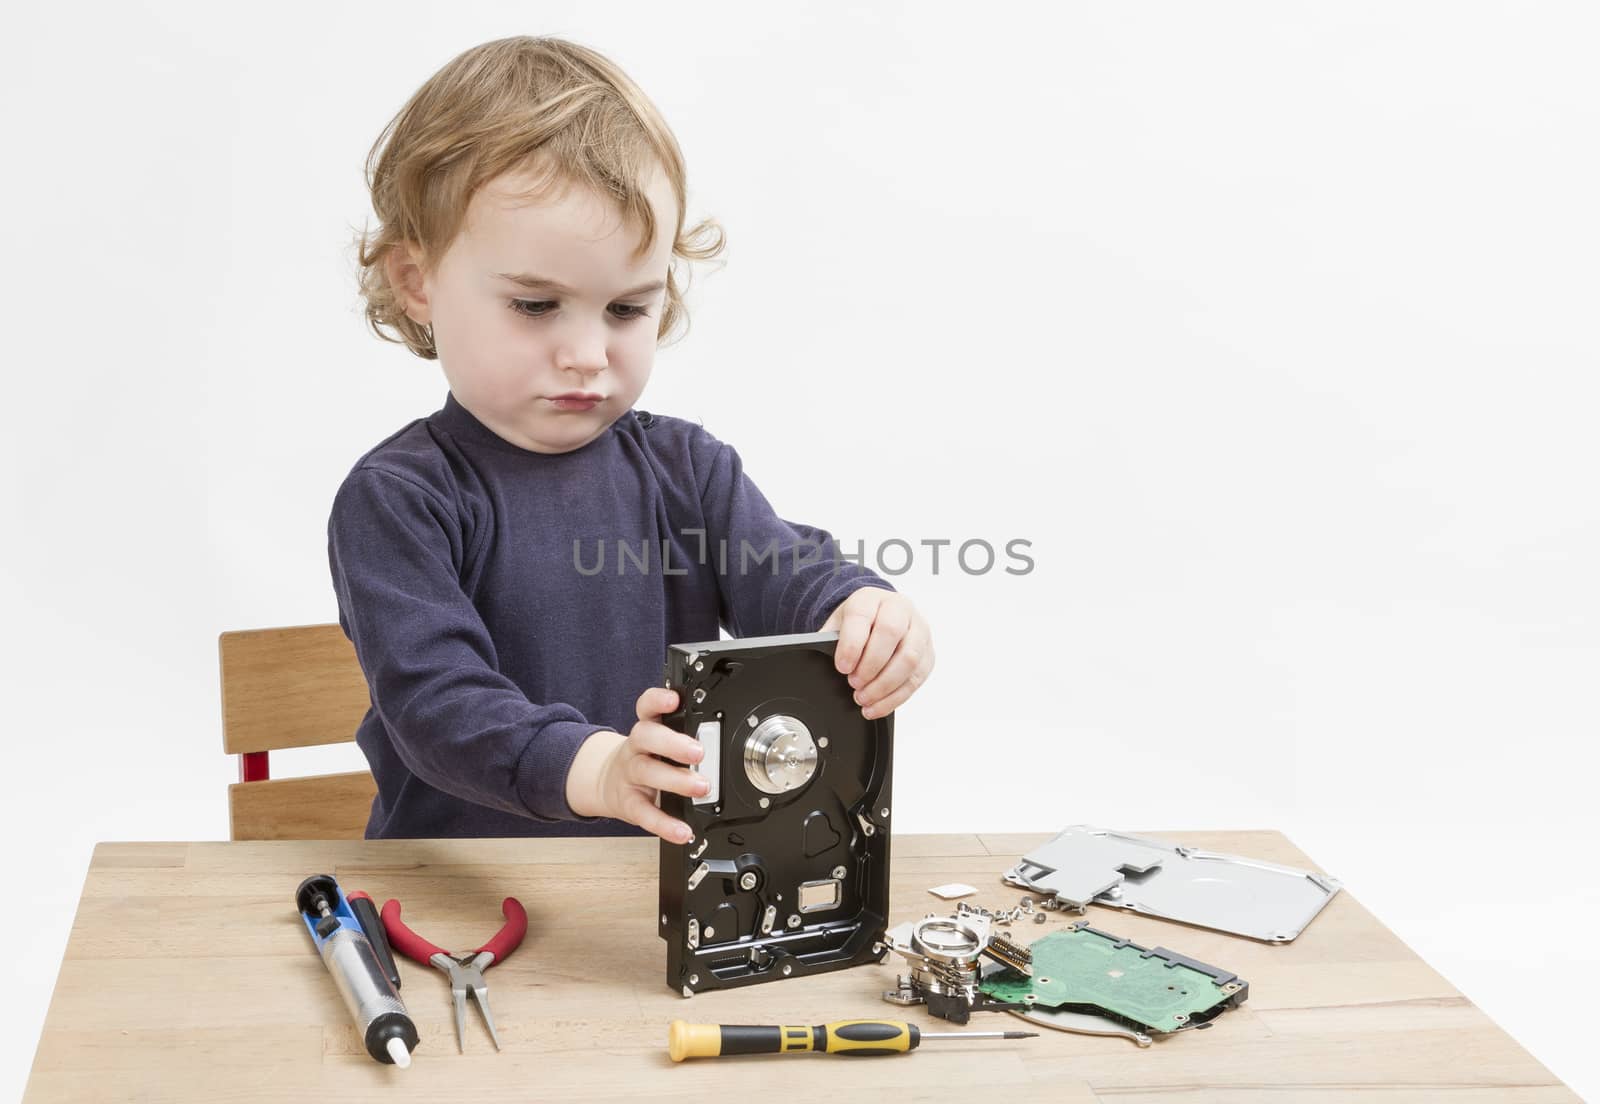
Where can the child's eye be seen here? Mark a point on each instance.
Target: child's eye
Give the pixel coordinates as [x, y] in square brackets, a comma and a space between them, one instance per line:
[538, 308]
[532, 308]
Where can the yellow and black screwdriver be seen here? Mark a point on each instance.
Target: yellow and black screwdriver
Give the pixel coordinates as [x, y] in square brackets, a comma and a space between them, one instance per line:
[864, 1038]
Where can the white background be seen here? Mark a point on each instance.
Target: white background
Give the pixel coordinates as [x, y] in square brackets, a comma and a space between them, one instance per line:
[1272, 326]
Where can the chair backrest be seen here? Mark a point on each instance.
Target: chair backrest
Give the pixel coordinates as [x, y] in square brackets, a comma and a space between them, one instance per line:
[287, 688]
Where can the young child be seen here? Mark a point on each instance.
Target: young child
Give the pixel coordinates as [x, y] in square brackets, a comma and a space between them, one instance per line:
[512, 567]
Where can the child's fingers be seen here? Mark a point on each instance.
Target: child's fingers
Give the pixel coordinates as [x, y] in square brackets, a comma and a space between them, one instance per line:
[654, 702]
[854, 621]
[655, 738]
[640, 810]
[911, 662]
[894, 701]
[646, 770]
[887, 631]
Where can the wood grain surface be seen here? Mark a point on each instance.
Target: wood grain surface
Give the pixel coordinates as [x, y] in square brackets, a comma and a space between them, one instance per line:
[299, 686]
[190, 977]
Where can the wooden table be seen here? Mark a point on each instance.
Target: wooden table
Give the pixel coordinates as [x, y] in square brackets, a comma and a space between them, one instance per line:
[190, 977]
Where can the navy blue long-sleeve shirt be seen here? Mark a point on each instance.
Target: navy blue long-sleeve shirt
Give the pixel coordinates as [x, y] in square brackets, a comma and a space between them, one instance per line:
[507, 604]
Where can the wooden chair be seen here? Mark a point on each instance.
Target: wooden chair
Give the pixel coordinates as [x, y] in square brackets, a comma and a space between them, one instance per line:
[288, 688]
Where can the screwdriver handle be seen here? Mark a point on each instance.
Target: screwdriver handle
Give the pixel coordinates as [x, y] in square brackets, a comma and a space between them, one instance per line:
[855, 1038]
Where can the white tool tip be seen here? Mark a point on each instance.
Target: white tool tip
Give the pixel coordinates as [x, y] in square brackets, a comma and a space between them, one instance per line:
[397, 1051]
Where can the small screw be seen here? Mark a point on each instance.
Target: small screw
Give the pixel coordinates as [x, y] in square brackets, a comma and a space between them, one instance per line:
[699, 665]
[822, 741]
[765, 802]
[752, 720]
[748, 881]
[794, 919]
[694, 979]
[710, 931]
[788, 968]
[699, 696]
[838, 872]
[884, 812]
[663, 918]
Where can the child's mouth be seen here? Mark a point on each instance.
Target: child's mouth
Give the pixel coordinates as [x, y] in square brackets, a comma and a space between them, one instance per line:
[577, 401]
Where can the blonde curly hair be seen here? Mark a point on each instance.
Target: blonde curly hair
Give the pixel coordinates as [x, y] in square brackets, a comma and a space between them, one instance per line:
[542, 105]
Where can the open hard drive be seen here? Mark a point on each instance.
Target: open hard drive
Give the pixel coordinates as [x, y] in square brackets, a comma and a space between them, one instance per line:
[788, 870]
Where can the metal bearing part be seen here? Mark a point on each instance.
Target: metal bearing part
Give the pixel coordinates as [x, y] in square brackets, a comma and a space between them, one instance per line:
[951, 941]
[780, 755]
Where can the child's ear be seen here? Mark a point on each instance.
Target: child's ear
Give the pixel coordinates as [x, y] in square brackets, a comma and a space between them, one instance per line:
[406, 278]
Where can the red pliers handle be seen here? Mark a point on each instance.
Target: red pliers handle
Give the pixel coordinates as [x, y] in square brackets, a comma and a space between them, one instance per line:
[418, 949]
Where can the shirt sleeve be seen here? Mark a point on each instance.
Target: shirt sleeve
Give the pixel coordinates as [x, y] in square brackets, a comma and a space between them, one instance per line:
[395, 549]
[775, 576]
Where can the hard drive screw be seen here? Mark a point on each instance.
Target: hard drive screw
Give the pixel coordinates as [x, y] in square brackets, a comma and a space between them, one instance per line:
[699, 665]
[794, 919]
[838, 872]
[748, 881]
[1038, 918]
[694, 979]
[788, 968]
[822, 741]
[699, 696]
[752, 720]
[710, 931]
[663, 918]
[765, 802]
[884, 812]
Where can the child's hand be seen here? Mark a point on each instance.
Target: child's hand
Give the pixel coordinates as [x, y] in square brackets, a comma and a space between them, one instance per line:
[618, 776]
[884, 646]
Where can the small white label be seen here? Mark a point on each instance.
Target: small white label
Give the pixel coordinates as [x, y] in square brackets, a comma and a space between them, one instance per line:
[710, 768]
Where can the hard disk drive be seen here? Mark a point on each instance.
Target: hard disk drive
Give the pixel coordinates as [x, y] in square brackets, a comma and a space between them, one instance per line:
[788, 870]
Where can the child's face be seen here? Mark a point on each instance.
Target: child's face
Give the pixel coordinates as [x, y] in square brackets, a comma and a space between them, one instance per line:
[511, 351]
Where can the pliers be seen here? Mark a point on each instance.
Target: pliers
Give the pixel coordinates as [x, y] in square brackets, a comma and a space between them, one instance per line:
[465, 970]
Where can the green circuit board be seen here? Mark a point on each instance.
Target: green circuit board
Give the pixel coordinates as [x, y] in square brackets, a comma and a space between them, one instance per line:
[1081, 968]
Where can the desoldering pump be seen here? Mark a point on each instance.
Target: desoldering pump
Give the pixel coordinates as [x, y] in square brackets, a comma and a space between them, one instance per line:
[380, 1017]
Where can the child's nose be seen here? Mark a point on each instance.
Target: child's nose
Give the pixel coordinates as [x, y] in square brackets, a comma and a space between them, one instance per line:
[583, 351]
[589, 363]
